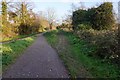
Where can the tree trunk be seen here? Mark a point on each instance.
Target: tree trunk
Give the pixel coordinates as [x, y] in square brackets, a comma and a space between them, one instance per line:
[50, 26]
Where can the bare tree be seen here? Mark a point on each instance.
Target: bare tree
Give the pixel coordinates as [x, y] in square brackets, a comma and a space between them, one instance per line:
[51, 16]
[68, 21]
[43, 21]
[21, 9]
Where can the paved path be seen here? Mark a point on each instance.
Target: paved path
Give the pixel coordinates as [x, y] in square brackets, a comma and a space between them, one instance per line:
[39, 61]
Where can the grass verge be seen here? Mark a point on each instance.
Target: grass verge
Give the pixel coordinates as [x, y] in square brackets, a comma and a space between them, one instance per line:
[11, 51]
[76, 54]
[52, 35]
[6, 39]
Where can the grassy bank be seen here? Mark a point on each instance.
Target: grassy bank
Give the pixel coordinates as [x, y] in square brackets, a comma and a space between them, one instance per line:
[74, 52]
[16, 37]
[53, 35]
[11, 51]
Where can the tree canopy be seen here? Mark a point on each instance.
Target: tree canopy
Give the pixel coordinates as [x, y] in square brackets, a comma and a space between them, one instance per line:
[98, 18]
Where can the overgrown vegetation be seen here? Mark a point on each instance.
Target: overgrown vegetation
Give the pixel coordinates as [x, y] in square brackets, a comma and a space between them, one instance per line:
[97, 26]
[19, 19]
[10, 51]
[93, 43]
[75, 54]
[106, 42]
[97, 18]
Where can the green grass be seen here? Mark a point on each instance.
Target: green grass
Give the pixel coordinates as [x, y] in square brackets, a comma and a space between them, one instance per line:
[11, 51]
[16, 37]
[51, 37]
[77, 54]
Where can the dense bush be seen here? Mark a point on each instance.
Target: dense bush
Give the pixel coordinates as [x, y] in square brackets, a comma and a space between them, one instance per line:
[64, 26]
[26, 28]
[106, 42]
[99, 18]
[79, 17]
[6, 31]
[103, 17]
[97, 27]
[20, 21]
[84, 26]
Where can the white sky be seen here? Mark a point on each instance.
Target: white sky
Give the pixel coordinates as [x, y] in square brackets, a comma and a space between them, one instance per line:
[65, 0]
[63, 6]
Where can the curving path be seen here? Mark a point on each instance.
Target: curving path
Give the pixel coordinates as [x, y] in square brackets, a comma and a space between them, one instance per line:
[40, 60]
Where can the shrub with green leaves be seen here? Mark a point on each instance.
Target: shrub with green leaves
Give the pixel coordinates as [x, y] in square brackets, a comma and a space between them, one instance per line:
[99, 18]
[103, 17]
[106, 42]
[84, 26]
